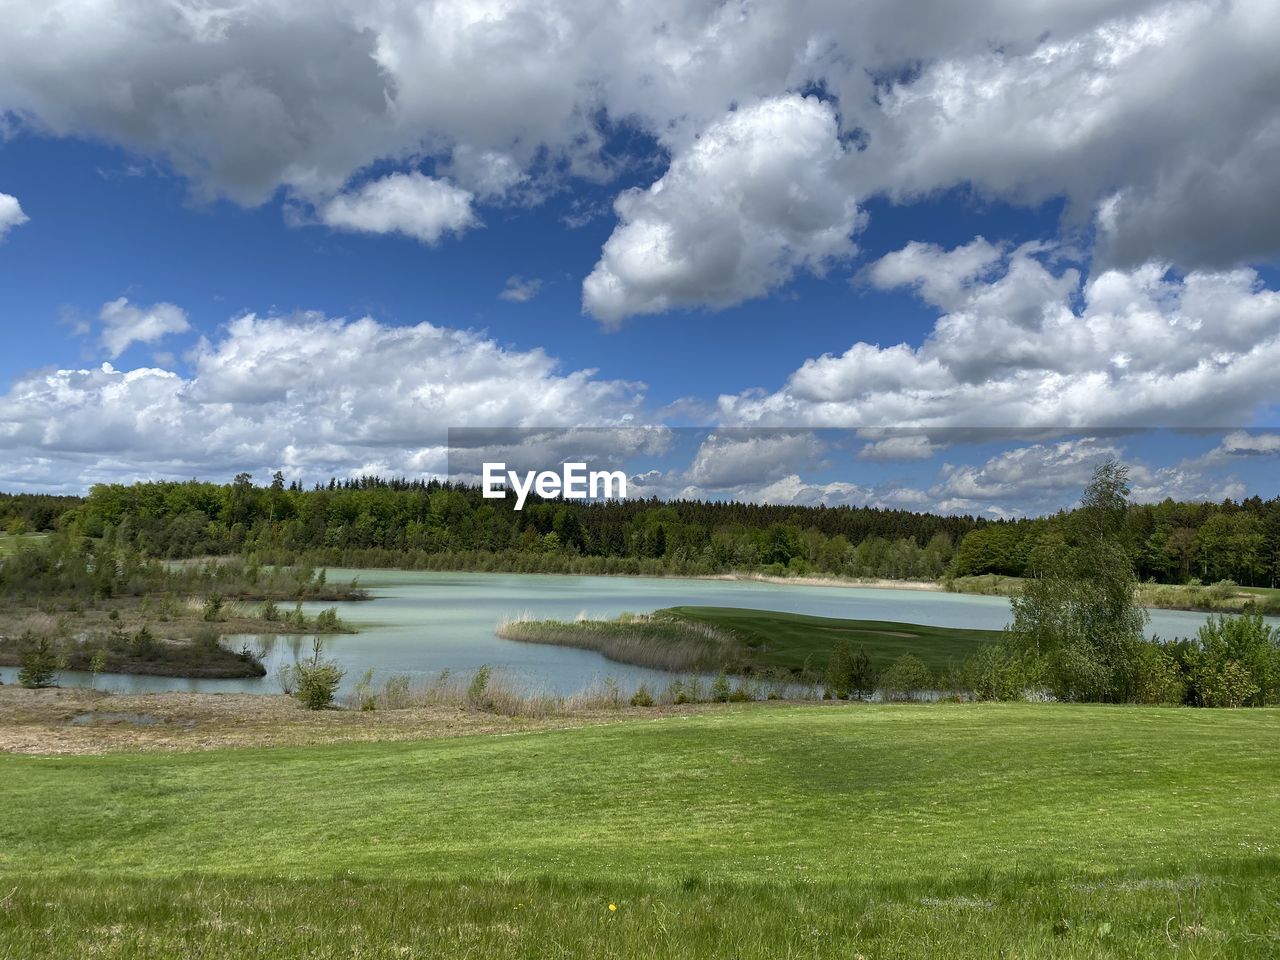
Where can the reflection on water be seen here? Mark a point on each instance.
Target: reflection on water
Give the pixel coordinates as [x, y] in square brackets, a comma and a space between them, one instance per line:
[423, 623]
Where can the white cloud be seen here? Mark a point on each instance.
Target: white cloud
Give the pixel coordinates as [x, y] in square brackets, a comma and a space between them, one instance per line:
[313, 395]
[520, 289]
[415, 205]
[1162, 116]
[940, 277]
[125, 323]
[1039, 469]
[761, 194]
[1165, 115]
[733, 458]
[11, 214]
[1241, 443]
[1027, 346]
[906, 447]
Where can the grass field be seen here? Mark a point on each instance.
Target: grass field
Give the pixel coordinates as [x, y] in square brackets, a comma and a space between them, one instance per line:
[752, 641]
[789, 640]
[10, 543]
[742, 831]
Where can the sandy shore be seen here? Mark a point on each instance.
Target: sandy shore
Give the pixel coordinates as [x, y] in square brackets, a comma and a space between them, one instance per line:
[881, 584]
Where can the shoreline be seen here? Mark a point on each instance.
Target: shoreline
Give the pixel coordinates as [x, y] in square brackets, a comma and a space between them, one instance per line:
[927, 586]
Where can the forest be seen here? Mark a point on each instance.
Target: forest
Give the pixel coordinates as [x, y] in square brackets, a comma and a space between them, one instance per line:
[374, 522]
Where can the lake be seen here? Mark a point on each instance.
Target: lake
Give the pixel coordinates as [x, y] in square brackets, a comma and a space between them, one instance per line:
[422, 623]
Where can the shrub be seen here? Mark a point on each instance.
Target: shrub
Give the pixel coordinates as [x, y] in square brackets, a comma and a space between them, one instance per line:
[906, 676]
[642, 697]
[213, 607]
[1235, 662]
[97, 663]
[998, 673]
[287, 678]
[1156, 676]
[270, 611]
[863, 675]
[37, 663]
[317, 679]
[143, 643]
[479, 684]
[327, 621]
[364, 696]
[839, 679]
[397, 692]
[720, 688]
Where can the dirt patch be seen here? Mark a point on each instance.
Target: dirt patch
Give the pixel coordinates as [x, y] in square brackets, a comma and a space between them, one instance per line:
[78, 720]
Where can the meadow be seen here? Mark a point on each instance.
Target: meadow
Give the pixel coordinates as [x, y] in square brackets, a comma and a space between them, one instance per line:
[9, 543]
[746, 640]
[754, 830]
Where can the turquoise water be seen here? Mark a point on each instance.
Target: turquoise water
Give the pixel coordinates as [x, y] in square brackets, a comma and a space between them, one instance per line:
[422, 623]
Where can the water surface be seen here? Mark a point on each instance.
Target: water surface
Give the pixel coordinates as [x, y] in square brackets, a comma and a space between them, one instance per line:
[422, 623]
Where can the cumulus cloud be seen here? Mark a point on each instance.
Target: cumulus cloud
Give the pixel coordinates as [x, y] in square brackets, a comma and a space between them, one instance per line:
[1163, 116]
[412, 204]
[11, 214]
[1159, 116]
[1039, 469]
[1040, 478]
[310, 394]
[761, 194]
[904, 447]
[734, 458]
[124, 323]
[1030, 345]
[520, 289]
[1241, 443]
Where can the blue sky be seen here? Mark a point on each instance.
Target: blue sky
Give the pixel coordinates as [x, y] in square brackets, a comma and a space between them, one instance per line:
[699, 217]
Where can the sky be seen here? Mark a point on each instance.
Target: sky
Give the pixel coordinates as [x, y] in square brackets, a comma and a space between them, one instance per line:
[946, 257]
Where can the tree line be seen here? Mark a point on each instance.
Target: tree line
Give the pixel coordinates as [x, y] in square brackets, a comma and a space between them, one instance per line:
[370, 521]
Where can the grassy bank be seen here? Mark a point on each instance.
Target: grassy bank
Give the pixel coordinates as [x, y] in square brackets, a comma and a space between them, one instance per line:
[660, 640]
[9, 543]
[749, 641]
[751, 831]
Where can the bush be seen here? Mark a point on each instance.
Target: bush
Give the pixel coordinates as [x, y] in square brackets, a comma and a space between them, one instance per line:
[642, 697]
[327, 621]
[998, 673]
[213, 607]
[479, 684]
[270, 612]
[839, 679]
[720, 688]
[906, 676]
[863, 676]
[1156, 676]
[287, 677]
[1235, 662]
[37, 663]
[317, 679]
[143, 643]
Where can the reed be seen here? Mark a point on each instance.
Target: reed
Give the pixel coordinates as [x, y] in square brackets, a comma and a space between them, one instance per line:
[659, 642]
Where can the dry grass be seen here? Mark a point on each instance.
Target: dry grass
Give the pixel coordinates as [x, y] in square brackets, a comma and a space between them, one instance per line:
[40, 721]
[660, 642]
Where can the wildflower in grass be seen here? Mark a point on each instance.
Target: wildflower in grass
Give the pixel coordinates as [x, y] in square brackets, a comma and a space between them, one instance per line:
[613, 908]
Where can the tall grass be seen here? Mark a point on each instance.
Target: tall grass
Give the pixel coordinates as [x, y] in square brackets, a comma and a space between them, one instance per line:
[495, 691]
[662, 643]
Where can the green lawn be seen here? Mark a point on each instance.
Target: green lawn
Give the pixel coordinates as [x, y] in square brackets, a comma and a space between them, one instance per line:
[790, 639]
[9, 544]
[749, 831]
